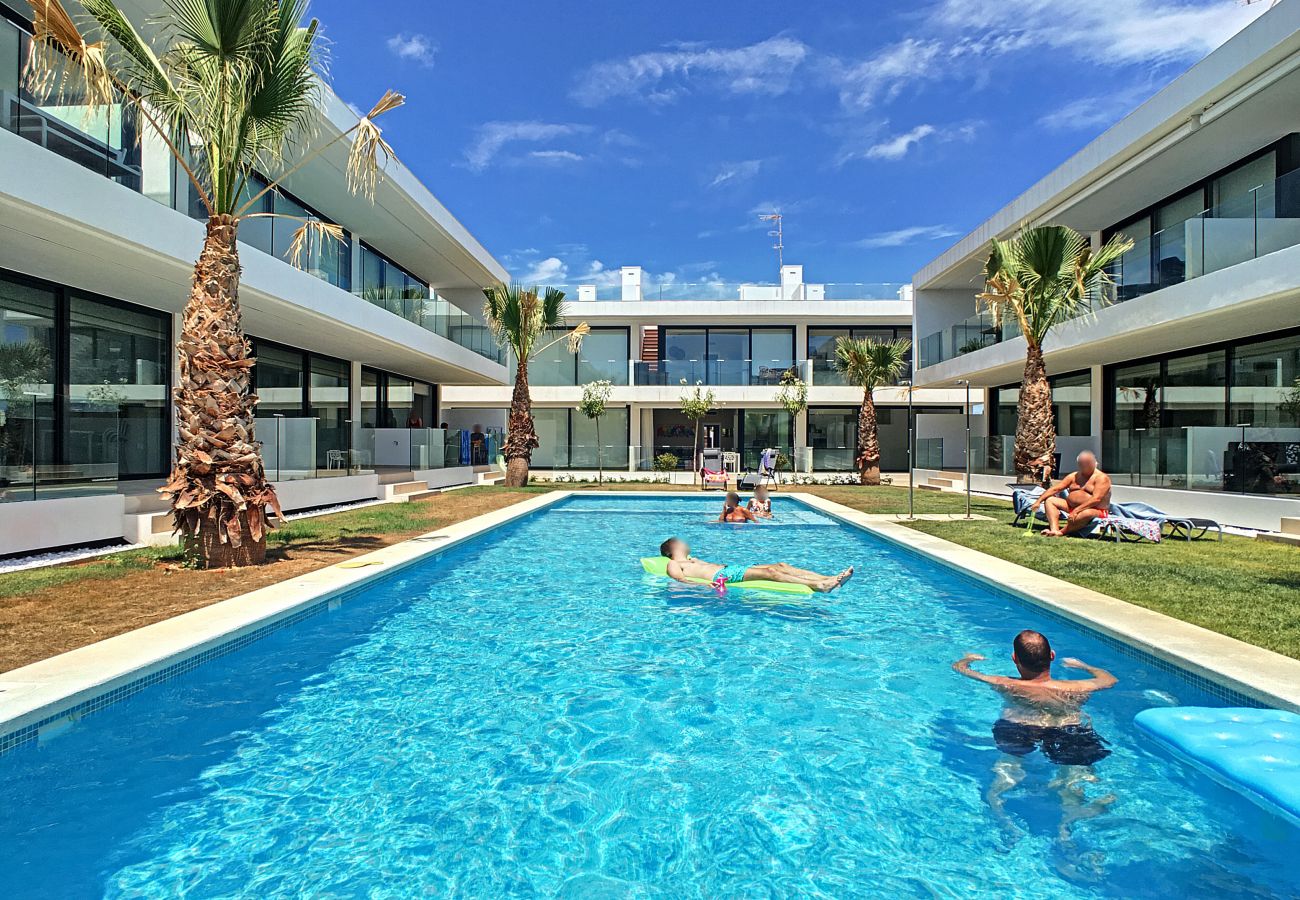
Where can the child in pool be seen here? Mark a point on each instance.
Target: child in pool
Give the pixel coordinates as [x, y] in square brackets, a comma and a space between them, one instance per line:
[761, 504]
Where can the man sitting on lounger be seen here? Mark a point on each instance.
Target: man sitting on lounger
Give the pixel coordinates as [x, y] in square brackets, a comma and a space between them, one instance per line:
[682, 566]
[1081, 496]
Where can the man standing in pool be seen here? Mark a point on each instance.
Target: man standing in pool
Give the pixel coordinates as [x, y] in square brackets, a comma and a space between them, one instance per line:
[683, 566]
[1045, 714]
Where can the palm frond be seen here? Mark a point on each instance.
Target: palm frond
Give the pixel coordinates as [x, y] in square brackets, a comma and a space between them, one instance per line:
[368, 146]
[869, 363]
[311, 237]
[62, 63]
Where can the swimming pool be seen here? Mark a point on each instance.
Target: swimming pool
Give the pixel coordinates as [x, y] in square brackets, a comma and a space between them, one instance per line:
[529, 713]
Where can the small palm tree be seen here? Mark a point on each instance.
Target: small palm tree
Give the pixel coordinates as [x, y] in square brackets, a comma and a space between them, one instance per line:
[522, 320]
[870, 364]
[1039, 278]
[231, 88]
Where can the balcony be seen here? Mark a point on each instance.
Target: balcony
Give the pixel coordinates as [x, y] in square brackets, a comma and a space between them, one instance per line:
[752, 372]
[1242, 228]
[435, 314]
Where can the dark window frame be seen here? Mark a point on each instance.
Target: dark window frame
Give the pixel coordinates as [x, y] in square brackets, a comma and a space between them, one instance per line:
[62, 398]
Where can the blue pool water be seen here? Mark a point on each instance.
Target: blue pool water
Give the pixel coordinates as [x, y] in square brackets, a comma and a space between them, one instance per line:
[530, 714]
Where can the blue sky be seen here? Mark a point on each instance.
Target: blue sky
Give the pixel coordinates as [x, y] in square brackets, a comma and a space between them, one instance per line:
[575, 137]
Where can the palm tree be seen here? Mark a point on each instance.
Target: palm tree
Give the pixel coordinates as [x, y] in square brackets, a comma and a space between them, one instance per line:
[1039, 278]
[521, 320]
[231, 88]
[870, 364]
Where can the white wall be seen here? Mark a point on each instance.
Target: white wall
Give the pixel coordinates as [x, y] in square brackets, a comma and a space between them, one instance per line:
[952, 428]
[68, 521]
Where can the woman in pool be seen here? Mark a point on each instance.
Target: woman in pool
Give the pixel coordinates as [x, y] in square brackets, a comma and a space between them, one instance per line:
[732, 511]
[761, 504]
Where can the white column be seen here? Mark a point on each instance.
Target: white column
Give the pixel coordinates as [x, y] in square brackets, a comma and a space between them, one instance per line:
[1097, 398]
[633, 434]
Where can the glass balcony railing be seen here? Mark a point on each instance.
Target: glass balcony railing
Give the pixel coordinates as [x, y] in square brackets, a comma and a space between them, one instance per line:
[734, 290]
[1239, 460]
[435, 314]
[29, 468]
[929, 453]
[1243, 227]
[881, 290]
[670, 372]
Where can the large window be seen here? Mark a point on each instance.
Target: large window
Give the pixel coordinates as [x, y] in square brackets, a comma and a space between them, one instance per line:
[1222, 418]
[395, 401]
[385, 283]
[117, 409]
[724, 355]
[1266, 383]
[296, 384]
[821, 349]
[83, 389]
[603, 355]
[1071, 405]
[567, 439]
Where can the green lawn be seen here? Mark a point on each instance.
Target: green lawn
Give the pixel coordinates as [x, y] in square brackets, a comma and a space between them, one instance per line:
[1241, 587]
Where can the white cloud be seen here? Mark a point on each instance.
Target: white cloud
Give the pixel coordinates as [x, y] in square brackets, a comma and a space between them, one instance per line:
[903, 236]
[493, 137]
[414, 48]
[1132, 31]
[550, 270]
[766, 67]
[556, 156]
[883, 75]
[897, 146]
[731, 173]
[571, 265]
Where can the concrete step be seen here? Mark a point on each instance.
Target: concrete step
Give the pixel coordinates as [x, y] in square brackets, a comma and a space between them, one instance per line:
[490, 477]
[952, 484]
[394, 477]
[929, 487]
[1290, 525]
[402, 490]
[153, 529]
[1279, 538]
[421, 495]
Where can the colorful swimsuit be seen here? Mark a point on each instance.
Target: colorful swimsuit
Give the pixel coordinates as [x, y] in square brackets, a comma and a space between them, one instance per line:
[730, 573]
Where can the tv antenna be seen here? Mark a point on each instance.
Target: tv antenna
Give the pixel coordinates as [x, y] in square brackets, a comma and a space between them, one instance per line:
[779, 246]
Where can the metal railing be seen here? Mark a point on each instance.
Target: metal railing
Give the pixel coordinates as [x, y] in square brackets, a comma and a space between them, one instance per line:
[1243, 227]
[29, 469]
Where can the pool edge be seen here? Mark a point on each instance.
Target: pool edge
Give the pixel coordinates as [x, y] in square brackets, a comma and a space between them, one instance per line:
[79, 681]
[1254, 672]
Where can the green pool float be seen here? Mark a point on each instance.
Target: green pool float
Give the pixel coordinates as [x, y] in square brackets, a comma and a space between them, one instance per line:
[658, 565]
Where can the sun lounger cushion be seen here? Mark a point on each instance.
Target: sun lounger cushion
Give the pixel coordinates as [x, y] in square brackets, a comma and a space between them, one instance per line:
[1253, 751]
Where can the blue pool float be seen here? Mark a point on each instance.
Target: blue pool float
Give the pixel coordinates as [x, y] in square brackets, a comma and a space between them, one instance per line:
[1256, 752]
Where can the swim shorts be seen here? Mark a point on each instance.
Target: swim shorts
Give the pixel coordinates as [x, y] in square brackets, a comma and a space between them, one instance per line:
[731, 574]
[1065, 745]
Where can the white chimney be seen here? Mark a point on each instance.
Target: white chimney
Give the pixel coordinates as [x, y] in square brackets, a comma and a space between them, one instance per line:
[631, 283]
[586, 293]
[791, 282]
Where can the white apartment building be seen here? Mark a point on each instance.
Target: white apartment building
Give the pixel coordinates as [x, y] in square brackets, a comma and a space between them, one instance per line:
[98, 237]
[655, 342]
[1187, 385]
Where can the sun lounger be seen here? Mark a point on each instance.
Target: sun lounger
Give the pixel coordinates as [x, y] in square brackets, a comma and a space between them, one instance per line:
[1178, 526]
[1121, 523]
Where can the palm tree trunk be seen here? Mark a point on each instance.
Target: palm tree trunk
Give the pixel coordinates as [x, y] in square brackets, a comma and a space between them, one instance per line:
[521, 436]
[1035, 430]
[218, 488]
[868, 441]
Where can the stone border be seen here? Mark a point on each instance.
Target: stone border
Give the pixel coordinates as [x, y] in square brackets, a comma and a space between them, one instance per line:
[1263, 675]
[36, 694]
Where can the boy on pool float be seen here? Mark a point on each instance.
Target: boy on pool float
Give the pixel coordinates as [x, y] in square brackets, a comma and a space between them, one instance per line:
[683, 566]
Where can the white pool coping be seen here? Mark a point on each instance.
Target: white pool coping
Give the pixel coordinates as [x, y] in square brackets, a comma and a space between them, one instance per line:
[41, 691]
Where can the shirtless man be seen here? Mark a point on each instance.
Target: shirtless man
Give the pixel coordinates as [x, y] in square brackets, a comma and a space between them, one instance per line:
[682, 566]
[1045, 714]
[1086, 497]
[732, 511]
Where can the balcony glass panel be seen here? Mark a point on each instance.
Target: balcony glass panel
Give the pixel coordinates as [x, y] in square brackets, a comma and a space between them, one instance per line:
[772, 355]
[728, 356]
[1266, 383]
[684, 355]
[27, 345]
[604, 356]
